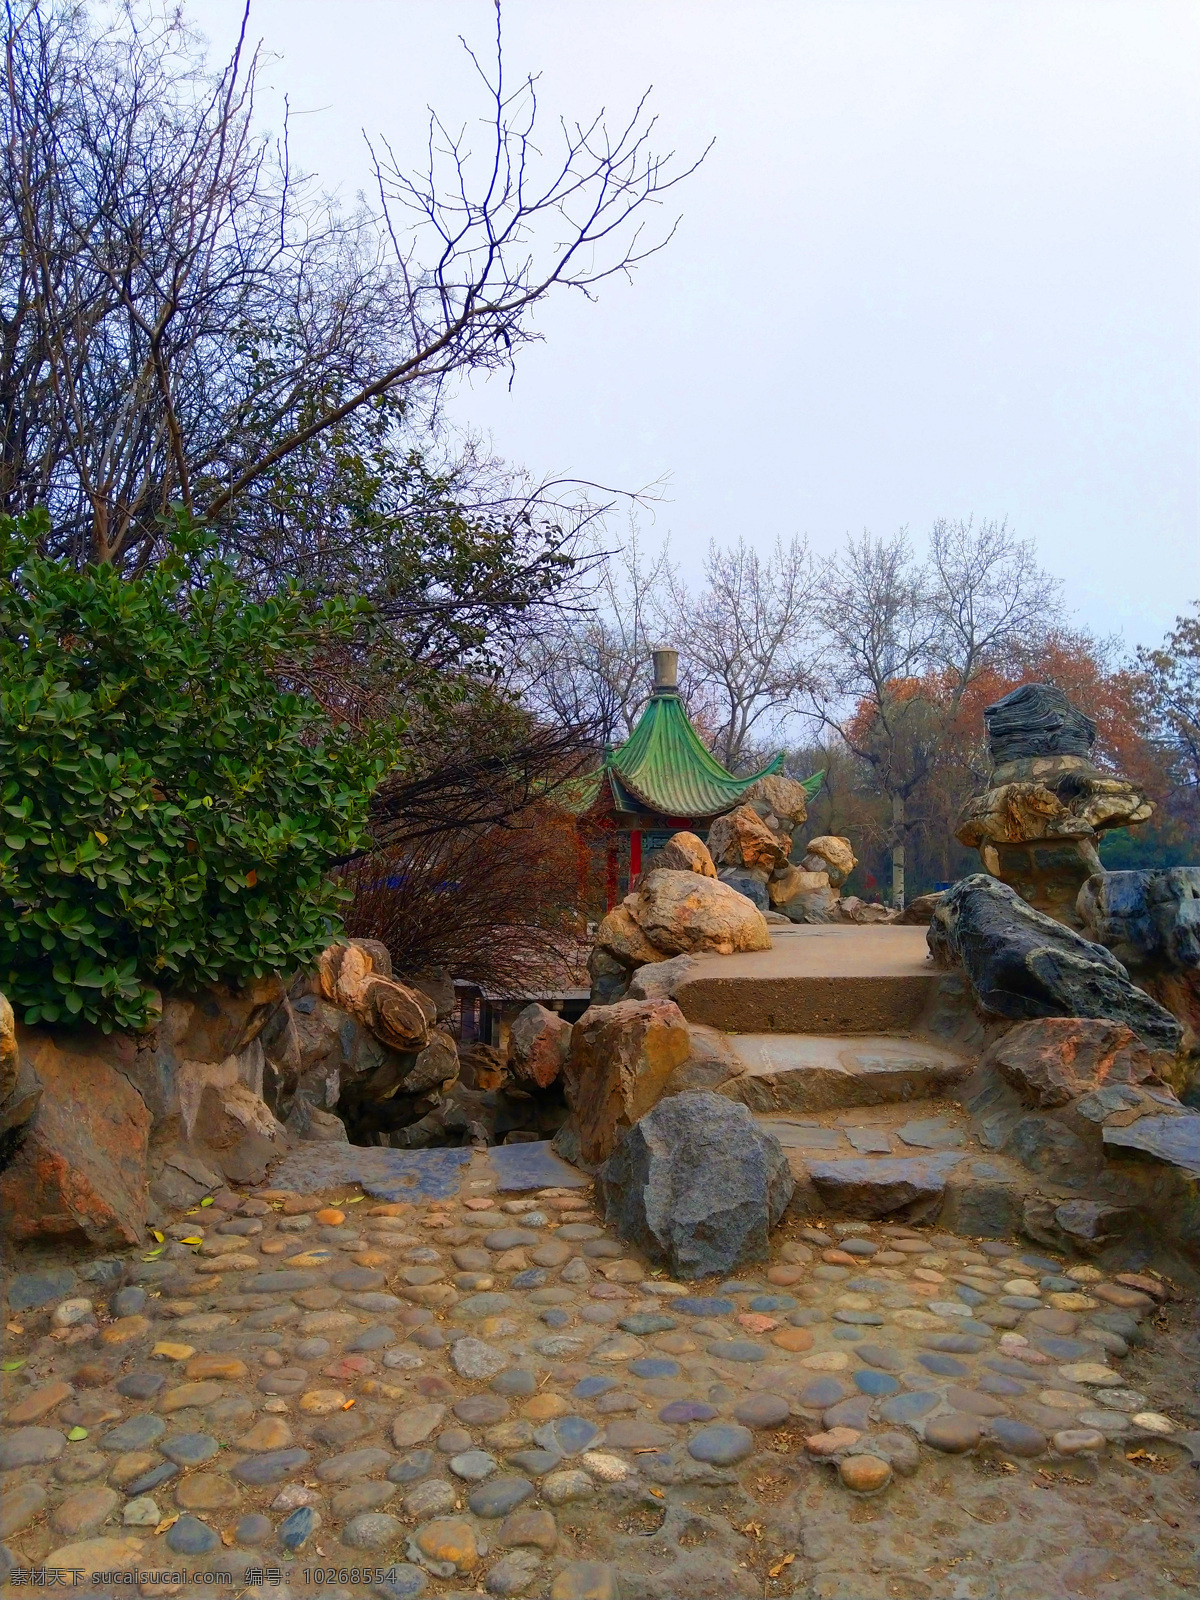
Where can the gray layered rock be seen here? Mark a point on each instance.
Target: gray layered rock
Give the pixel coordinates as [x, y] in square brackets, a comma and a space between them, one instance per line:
[696, 1184]
[1037, 720]
[1023, 964]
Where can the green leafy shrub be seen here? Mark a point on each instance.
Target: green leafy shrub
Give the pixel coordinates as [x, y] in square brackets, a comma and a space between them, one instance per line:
[167, 807]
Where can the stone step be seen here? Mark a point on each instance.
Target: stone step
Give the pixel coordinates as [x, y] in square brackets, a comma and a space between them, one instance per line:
[911, 1162]
[818, 979]
[819, 1072]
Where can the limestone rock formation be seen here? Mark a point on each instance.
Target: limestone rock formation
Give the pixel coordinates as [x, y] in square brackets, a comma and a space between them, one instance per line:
[684, 852]
[356, 977]
[831, 854]
[81, 1167]
[804, 894]
[1056, 1059]
[1036, 827]
[1150, 920]
[741, 839]
[781, 802]
[538, 1043]
[620, 1059]
[1024, 964]
[697, 1185]
[682, 911]
[621, 936]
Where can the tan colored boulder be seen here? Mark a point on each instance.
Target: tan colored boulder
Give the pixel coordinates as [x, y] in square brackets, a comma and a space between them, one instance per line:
[9, 1054]
[396, 1015]
[680, 912]
[684, 852]
[620, 1059]
[355, 975]
[742, 839]
[789, 881]
[832, 854]
[344, 970]
[538, 1044]
[82, 1166]
[786, 798]
[620, 936]
[864, 912]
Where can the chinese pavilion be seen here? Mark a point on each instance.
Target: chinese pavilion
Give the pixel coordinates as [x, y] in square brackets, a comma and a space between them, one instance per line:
[661, 780]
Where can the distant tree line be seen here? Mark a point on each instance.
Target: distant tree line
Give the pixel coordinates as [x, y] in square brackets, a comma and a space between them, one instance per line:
[876, 666]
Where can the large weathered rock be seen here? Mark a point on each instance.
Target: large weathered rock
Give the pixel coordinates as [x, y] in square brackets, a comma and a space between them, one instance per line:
[1036, 827]
[681, 912]
[1150, 920]
[1173, 1140]
[1037, 720]
[831, 854]
[919, 910]
[398, 1016]
[538, 1043]
[1054, 1060]
[82, 1165]
[609, 978]
[750, 882]
[696, 1185]
[1023, 964]
[10, 1055]
[620, 1059]
[804, 895]
[237, 1131]
[659, 981]
[783, 799]
[789, 881]
[620, 936]
[1082, 1225]
[684, 852]
[353, 977]
[742, 839]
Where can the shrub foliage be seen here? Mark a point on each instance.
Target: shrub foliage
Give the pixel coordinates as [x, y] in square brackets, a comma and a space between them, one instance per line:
[168, 805]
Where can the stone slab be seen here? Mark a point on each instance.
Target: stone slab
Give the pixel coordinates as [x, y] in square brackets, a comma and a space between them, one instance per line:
[382, 1173]
[533, 1166]
[1172, 1140]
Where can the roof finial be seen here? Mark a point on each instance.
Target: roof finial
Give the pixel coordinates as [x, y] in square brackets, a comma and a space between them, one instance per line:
[666, 671]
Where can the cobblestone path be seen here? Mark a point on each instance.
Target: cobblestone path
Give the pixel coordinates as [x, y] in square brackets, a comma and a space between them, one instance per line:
[480, 1394]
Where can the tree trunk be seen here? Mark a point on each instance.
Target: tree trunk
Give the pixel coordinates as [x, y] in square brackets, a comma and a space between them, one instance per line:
[898, 852]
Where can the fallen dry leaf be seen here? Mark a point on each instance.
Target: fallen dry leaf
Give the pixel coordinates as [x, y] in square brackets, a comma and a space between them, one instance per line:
[774, 1571]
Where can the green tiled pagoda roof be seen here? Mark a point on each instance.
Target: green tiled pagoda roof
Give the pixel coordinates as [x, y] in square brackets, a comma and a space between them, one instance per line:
[665, 766]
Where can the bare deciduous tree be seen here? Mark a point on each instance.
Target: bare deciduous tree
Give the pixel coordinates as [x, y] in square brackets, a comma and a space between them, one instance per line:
[748, 637]
[179, 315]
[908, 639]
[590, 668]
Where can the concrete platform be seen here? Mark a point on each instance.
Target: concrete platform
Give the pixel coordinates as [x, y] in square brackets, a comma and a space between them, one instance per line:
[816, 979]
[816, 1072]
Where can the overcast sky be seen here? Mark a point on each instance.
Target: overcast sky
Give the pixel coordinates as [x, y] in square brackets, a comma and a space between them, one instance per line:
[943, 260]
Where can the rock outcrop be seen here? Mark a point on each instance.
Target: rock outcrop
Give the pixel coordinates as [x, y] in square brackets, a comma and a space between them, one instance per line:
[538, 1044]
[684, 852]
[620, 1060]
[1037, 826]
[681, 913]
[1150, 920]
[1081, 1105]
[81, 1166]
[697, 1185]
[831, 854]
[674, 912]
[1023, 964]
